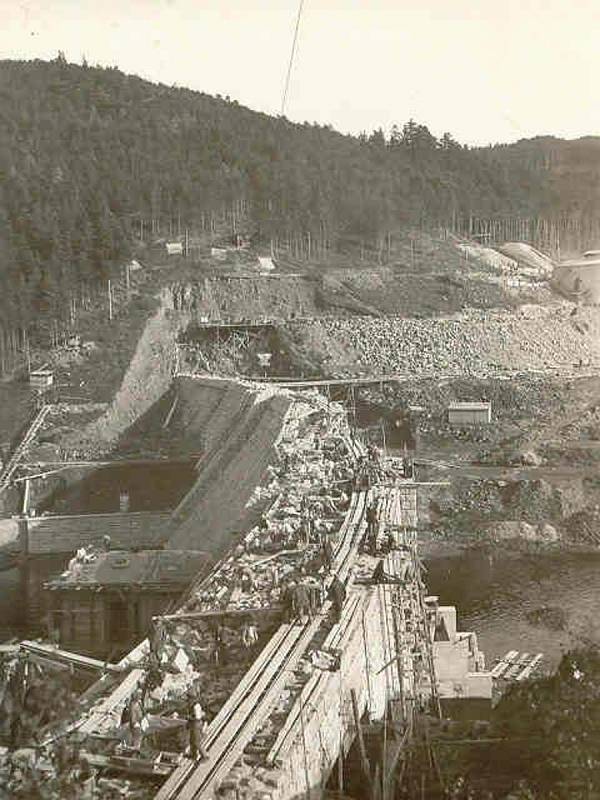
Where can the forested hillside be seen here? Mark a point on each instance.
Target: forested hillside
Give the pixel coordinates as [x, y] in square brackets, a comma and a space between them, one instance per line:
[564, 186]
[92, 159]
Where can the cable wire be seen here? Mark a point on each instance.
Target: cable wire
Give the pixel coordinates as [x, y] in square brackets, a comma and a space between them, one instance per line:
[289, 71]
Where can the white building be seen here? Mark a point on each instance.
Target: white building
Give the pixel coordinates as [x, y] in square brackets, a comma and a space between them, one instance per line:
[174, 248]
[470, 413]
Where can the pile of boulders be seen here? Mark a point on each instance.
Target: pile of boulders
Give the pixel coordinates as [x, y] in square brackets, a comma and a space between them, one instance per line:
[530, 501]
[473, 342]
[517, 529]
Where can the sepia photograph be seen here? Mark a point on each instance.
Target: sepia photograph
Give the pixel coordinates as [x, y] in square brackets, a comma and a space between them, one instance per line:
[299, 400]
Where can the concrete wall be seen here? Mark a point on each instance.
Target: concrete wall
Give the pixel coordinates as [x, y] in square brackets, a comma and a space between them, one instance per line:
[64, 534]
[459, 664]
[207, 409]
[321, 722]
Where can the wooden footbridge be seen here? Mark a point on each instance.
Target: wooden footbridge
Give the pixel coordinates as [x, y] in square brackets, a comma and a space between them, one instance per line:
[13, 463]
[256, 695]
[384, 641]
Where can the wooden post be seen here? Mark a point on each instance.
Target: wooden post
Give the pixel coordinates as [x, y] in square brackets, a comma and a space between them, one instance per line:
[28, 351]
[23, 534]
[26, 496]
[306, 774]
[110, 309]
[364, 760]
[340, 775]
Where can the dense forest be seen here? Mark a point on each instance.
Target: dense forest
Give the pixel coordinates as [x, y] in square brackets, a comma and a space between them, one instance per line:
[92, 161]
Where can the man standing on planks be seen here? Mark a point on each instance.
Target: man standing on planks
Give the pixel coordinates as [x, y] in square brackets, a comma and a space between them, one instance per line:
[337, 595]
[136, 718]
[197, 729]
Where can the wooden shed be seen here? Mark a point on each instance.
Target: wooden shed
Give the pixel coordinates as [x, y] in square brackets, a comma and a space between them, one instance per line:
[41, 379]
[470, 413]
[174, 248]
[106, 601]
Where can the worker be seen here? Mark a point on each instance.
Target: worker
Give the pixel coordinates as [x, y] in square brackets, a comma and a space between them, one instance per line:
[153, 678]
[373, 452]
[263, 523]
[372, 519]
[287, 597]
[249, 634]
[220, 653]
[274, 575]
[157, 638]
[327, 552]
[306, 527]
[315, 598]
[197, 730]
[106, 543]
[337, 595]
[247, 582]
[301, 602]
[135, 721]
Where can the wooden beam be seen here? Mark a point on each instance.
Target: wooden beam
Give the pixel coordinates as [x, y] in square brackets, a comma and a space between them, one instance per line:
[364, 759]
[66, 657]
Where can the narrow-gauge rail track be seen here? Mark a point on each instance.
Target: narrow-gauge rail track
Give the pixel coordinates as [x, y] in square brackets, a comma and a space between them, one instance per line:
[17, 456]
[254, 698]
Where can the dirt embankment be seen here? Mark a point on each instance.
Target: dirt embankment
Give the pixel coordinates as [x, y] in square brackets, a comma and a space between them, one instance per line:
[146, 379]
[421, 276]
[243, 297]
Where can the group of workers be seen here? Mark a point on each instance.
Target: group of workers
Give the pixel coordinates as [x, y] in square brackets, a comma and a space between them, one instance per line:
[135, 723]
[304, 521]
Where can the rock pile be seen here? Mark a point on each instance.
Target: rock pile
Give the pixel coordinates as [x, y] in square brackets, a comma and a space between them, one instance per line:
[474, 342]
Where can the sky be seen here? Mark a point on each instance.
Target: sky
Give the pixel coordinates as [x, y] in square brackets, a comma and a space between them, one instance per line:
[487, 71]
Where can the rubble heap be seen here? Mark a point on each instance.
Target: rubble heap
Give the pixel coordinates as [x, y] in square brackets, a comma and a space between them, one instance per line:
[472, 342]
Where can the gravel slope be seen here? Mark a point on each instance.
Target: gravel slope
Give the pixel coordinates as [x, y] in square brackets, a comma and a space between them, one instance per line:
[479, 342]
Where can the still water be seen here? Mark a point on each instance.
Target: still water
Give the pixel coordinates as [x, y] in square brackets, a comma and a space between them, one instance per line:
[494, 590]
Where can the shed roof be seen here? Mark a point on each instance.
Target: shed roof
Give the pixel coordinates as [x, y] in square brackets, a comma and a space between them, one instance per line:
[145, 568]
[483, 406]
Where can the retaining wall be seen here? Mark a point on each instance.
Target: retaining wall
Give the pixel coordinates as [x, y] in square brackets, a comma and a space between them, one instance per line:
[242, 438]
